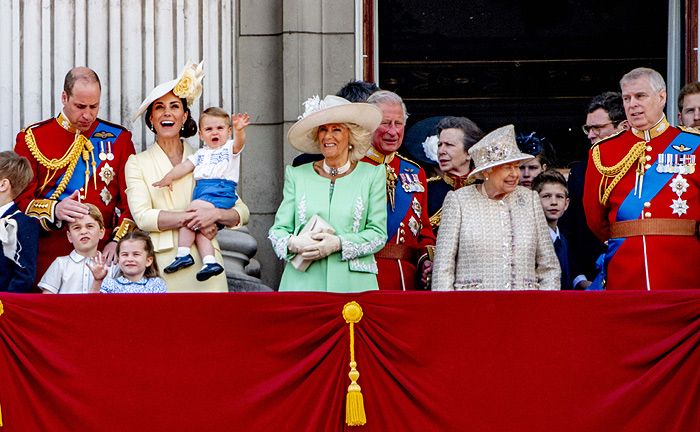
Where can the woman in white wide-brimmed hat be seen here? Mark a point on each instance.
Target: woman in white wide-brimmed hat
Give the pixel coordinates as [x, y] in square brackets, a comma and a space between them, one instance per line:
[161, 211]
[494, 235]
[332, 218]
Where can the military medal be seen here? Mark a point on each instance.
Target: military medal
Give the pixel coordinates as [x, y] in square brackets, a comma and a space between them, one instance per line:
[414, 226]
[417, 208]
[107, 173]
[390, 185]
[675, 163]
[102, 155]
[679, 186]
[105, 195]
[110, 155]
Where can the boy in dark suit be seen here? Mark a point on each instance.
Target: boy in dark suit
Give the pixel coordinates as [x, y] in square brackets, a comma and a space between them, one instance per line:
[550, 185]
[19, 233]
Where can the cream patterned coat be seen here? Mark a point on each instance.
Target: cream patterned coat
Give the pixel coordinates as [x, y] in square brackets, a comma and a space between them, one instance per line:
[489, 245]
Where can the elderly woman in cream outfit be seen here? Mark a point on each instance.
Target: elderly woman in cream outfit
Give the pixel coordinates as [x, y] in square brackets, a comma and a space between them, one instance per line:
[162, 211]
[494, 235]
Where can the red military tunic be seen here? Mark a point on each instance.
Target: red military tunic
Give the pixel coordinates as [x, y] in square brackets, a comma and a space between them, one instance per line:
[408, 224]
[642, 253]
[105, 186]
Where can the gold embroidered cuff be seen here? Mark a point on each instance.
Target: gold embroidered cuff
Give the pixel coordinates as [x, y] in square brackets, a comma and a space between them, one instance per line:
[43, 209]
[123, 229]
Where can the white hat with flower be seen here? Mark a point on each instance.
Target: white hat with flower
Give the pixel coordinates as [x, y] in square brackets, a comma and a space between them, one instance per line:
[187, 86]
[331, 109]
[496, 148]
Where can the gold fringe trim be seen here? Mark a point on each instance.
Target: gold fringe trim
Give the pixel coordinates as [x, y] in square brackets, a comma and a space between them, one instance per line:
[354, 404]
[613, 174]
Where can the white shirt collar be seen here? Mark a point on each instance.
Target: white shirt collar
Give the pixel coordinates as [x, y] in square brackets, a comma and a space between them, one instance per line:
[76, 257]
[5, 208]
[554, 234]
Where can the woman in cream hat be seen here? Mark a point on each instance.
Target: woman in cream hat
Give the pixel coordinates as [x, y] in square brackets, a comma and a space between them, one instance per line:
[332, 218]
[494, 235]
[162, 211]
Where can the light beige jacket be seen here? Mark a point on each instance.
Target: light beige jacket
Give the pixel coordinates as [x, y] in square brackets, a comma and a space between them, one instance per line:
[146, 202]
[486, 244]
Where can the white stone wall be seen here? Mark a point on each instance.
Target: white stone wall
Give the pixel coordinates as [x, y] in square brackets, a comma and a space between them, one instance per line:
[132, 45]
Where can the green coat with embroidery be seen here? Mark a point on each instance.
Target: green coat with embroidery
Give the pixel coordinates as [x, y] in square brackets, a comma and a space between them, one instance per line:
[356, 208]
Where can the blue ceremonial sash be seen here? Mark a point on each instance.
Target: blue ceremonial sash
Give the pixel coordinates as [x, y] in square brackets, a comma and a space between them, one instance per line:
[402, 201]
[632, 206]
[103, 132]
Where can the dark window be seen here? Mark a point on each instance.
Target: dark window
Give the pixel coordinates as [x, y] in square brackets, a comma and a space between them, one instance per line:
[533, 64]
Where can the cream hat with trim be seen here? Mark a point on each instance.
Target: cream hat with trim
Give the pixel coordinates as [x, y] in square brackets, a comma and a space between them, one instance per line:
[332, 109]
[496, 148]
[187, 86]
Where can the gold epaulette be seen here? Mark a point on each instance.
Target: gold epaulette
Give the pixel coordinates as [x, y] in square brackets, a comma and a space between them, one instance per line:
[609, 137]
[123, 229]
[408, 160]
[691, 130]
[434, 179]
[43, 210]
[436, 219]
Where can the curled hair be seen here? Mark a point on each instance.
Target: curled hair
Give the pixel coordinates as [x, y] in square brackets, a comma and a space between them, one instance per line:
[140, 235]
[549, 176]
[610, 102]
[189, 128]
[17, 170]
[387, 97]
[359, 140]
[688, 89]
[655, 79]
[472, 133]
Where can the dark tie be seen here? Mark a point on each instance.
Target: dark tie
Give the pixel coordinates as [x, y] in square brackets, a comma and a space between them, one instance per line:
[562, 254]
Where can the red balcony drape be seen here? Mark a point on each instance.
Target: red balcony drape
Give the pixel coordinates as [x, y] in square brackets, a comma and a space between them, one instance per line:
[468, 361]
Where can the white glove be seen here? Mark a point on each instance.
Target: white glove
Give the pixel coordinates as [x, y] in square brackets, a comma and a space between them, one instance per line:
[326, 244]
[296, 244]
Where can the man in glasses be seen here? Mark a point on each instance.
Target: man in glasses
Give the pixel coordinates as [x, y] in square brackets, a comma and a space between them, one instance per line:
[642, 194]
[689, 105]
[605, 116]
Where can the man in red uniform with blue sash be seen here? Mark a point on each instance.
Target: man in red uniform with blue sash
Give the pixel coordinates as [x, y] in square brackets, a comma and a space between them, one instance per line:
[403, 263]
[77, 159]
[642, 194]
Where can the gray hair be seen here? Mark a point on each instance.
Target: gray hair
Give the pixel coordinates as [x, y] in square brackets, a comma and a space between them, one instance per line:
[389, 98]
[655, 79]
[359, 140]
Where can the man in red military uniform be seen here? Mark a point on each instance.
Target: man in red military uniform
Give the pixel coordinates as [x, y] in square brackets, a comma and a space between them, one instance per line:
[76, 158]
[403, 263]
[642, 194]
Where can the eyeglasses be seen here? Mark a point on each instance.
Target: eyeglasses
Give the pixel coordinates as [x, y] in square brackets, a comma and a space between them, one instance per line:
[595, 128]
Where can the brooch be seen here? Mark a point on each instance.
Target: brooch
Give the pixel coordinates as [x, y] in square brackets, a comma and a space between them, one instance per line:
[105, 195]
[107, 173]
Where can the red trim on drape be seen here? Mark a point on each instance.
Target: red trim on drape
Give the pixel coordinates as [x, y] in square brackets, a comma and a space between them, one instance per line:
[524, 361]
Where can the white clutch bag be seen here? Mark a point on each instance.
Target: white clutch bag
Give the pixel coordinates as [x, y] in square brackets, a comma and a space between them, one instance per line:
[315, 225]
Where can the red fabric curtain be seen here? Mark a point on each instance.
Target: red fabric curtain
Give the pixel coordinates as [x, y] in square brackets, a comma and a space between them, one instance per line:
[523, 361]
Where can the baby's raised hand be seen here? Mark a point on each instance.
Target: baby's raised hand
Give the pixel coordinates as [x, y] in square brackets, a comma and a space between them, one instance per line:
[240, 121]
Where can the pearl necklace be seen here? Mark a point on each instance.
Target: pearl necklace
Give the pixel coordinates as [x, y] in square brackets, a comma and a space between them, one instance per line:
[334, 172]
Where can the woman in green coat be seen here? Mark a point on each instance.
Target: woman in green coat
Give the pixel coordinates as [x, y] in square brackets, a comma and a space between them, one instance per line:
[332, 218]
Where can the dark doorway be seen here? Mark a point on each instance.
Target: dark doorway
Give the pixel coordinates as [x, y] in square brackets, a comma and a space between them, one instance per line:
[533, 64]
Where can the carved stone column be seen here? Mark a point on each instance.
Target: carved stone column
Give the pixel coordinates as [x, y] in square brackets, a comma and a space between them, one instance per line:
[242, 271]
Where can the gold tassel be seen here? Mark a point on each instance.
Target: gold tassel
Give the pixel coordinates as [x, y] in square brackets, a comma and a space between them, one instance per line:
[354, 404]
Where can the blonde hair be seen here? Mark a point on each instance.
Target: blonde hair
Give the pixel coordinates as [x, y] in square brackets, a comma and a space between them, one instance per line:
[216, 112]
[359, 140]
[94, 213]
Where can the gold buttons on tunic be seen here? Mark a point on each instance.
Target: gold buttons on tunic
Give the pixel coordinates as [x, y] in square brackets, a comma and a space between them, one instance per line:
[647, 214]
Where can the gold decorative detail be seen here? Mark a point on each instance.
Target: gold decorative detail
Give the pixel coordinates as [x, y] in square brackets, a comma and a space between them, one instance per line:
[41, 209]
[69, 160]
[103, 135]
[436, 218]
[354, 404]
[124, 228]
[2, 308]
[391, 178]
[617, 171]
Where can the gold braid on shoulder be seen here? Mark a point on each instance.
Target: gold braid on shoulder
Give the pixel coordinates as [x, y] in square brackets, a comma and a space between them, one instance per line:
[613, 174]
[69, 159]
